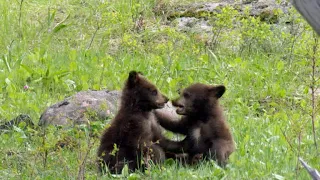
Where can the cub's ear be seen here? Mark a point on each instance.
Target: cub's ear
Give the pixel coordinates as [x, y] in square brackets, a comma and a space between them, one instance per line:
[133, 78]
[217, 91]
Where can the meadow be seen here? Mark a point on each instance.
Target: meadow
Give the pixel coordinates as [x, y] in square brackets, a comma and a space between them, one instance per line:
[52, 49]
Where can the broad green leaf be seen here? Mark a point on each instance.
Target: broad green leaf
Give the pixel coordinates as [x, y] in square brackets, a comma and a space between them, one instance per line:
[59, 27]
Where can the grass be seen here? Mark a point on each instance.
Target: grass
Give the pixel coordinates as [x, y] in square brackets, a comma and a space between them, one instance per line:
[60, 47]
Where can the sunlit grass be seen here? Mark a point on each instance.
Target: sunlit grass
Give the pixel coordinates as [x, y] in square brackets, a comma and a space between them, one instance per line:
[61, 47]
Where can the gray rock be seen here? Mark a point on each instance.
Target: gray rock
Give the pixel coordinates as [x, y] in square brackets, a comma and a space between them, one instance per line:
[87, 106]
[197, 10]
[81, 108]
[195, 17]
[203, 10]
[192, 24]
[266, 9]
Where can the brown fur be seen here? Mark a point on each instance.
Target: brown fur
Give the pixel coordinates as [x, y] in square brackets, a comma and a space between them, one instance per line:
[202, 122]
[134, 129]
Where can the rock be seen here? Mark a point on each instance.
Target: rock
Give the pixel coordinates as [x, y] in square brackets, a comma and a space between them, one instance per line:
[192, 24]
[197, 10]
[82, 107]
[267, 10]
[259, 8]
[86, 106]
[195, 17]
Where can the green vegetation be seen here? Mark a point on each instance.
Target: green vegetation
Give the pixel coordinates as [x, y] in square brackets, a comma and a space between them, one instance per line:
[59, 47]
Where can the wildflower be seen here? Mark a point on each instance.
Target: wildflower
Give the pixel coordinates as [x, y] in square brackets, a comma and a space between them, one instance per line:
[26, 87]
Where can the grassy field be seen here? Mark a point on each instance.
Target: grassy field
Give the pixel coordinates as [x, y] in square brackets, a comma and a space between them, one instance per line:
[59, 47]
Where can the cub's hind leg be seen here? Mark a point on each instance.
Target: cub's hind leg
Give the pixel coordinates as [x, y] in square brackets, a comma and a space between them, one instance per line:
[157, 154]
[220, 151]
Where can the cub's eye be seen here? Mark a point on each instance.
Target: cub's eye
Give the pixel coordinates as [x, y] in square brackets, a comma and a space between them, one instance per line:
[154, 92]
[186, 95]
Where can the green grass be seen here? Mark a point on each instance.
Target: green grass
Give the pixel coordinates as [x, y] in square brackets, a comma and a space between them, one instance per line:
[60, 47]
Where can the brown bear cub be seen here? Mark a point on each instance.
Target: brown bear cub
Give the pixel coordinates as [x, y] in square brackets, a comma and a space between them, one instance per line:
[202, 122]
[134, 130]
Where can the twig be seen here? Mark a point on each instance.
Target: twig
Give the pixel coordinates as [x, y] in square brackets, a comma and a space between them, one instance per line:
[93, 36]
[299, 150]
[20, 12]
[82, 167]
[313, 117]
[45, 153]
[296, 35]
[215, 38]
[285, 136]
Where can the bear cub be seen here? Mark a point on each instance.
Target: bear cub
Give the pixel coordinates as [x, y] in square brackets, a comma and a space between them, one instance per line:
[203, 123]
[133, 131]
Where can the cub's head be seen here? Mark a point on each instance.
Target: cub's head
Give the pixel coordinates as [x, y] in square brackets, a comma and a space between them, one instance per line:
[144, 94]
[198, 98]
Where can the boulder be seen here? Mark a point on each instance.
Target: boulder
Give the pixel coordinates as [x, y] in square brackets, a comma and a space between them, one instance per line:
[195, 17]
[81, 108]
[259, 8]
[192, 24]
[86, 106]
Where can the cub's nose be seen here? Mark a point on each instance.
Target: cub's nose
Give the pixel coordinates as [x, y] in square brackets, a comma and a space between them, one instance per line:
[176, 103]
